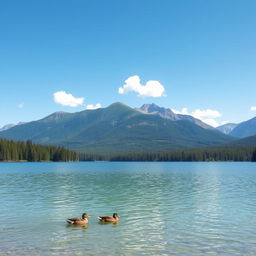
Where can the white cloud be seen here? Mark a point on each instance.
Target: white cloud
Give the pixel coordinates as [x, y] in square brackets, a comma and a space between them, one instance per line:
[91, 106]
[208, 116]
[224, 122]
[184, 111]
[67, 99]
[21, 105]
[253, 108]
[212, 122]
[152, 88]
[208, 113]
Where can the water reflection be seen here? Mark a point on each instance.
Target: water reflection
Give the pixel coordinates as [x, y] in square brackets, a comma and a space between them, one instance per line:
[77, 227]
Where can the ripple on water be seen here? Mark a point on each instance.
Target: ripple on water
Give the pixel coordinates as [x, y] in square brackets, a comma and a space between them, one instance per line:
[165, 208]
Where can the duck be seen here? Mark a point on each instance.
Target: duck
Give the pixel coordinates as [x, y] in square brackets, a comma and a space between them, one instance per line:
[79, 221]
[113, 219]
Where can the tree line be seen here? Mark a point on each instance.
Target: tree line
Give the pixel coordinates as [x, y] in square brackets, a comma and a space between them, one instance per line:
[28, 151]
[238, 154]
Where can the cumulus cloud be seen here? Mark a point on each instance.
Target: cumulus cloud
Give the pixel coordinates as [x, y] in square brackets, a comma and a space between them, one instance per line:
[224, 122]
[67, 99]
[253, 108]
[184, 111]
[208, 113]
[21, 105]
[211, 122]
[92, 107]
[214, 123]
[208, 116]
[152, 88]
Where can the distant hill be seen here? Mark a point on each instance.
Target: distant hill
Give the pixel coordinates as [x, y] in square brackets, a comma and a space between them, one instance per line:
[248, 141]
[8, 126]
[169, 114]
[115, 129]
[227, 128]
[245, 129]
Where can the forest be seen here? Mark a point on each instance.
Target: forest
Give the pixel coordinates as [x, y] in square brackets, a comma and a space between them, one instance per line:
[190, 155]
[27, 151]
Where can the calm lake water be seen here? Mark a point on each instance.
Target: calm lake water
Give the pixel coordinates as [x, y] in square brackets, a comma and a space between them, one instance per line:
[165, 208]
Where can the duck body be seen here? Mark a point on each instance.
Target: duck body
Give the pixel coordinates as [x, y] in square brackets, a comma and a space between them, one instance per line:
[78, 221]
[109, 219]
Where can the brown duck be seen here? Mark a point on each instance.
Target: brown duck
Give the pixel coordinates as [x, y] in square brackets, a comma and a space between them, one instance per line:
[79, 221]
[113, 219]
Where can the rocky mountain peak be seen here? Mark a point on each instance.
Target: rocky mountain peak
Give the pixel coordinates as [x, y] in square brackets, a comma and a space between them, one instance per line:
[155, 109]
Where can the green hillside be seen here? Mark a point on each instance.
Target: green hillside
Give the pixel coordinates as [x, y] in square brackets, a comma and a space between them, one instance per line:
[248, 141]
[245, 129]
[115, 129]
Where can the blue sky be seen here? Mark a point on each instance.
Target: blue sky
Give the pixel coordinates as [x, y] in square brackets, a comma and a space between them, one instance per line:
[201, 55]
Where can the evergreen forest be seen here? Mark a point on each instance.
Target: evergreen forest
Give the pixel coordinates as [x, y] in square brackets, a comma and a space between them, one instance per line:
[27, 151]
[237, 154]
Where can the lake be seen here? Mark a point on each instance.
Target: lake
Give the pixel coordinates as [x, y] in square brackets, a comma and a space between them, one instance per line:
[165, 208]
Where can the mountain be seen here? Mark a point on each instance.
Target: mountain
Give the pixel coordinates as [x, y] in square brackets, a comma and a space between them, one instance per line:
[248, 141]
[227, 128]
[156, 110]
[245, 129]
[169, 114]
[8, 126]
[115, 129]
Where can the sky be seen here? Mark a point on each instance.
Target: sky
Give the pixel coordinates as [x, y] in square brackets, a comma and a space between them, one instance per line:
[196, 57]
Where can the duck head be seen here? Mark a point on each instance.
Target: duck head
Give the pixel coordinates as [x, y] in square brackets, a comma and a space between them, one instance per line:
[116, 215]
[85, 216]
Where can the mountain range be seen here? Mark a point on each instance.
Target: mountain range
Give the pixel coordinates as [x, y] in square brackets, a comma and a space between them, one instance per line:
[119, 128]
[245, 129]
[170, 115]
[227, 128]
[241, 130]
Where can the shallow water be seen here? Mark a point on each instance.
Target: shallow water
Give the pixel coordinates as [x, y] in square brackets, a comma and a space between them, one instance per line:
[165, 208]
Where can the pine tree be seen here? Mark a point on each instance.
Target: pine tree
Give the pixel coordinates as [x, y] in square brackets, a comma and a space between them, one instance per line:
[254, 156]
